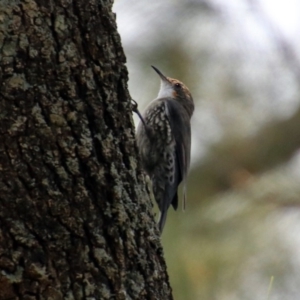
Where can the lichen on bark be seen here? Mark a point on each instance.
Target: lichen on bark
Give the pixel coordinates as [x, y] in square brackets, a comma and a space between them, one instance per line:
[75, 214]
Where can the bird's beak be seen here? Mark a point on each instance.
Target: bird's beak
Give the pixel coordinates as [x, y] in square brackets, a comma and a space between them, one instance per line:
[166, 89]
[161, 75]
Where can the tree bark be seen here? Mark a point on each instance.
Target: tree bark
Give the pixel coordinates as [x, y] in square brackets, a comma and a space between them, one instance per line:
[75, 216]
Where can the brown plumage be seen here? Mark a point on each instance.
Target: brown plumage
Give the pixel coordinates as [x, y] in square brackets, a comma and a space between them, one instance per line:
[164, 142]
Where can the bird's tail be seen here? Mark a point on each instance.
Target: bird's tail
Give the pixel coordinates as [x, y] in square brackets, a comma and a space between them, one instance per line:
[162, 220]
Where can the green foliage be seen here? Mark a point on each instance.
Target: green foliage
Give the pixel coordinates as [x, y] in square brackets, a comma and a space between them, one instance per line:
[241, 224]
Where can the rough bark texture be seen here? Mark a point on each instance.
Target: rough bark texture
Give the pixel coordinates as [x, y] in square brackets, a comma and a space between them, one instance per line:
[75, 217]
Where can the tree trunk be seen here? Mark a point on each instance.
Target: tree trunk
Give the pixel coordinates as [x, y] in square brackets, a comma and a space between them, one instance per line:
[75, 215]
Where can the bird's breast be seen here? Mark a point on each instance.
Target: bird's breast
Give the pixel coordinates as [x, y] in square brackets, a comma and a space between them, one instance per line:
[157, 120]
[153, 149]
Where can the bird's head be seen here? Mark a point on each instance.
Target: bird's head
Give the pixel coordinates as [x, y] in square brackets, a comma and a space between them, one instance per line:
[175, 89]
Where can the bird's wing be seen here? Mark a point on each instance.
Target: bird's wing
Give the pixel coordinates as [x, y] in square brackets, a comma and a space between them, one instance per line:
[181, 129]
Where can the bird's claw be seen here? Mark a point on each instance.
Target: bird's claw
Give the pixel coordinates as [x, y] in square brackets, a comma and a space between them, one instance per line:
[134, 106]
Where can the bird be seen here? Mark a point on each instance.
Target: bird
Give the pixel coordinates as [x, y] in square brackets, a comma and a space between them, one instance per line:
[164, 142]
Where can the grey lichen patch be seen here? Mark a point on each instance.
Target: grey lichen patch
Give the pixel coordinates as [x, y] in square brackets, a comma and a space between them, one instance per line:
[9, 47]
[16, 23]
[18, 126]
[47, 50]
[98, 239]
[86, 139]
[102, 256]
[23, 42]
[6, 264]
[135, 284]
[38, 21]
[5, 13]
[117, 190]
[121, 214]
[60, 25]
[50, 155]
[84, 152]
[61, 56]
[7, 65]
[67, 145]
[15, 277]
[56, 107]
[115, 172]
[54, 193]
[107, 145]
[145, 218]
[142, 258]
[65, 3]
[90, 82]
[71, 92]
[73, 166]
[132, 163]
[80, 106]
[106, 293]
[22, 236]
[16, 83]
[57, 120]
[89, 287]
[61, 172]
[36, 271]
[122, 294]
[77, 291]
[30, 6]
[33, 53]
[72, 116]
[37, 114]
[70, 52]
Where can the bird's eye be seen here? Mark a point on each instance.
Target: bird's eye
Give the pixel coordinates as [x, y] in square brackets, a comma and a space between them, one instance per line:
[178, 85]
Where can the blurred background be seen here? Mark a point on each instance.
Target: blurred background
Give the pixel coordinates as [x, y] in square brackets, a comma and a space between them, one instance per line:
[241, 61]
